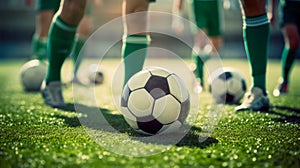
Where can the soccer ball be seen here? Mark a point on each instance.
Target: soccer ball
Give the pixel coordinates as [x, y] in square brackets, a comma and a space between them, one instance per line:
[95, 75]
[32, 75]
[227, 85]
[155, 101]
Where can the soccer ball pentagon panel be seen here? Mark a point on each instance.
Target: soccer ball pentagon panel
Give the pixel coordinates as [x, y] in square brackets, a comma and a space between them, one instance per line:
[155, 101]
[227, 85]
[32, 75]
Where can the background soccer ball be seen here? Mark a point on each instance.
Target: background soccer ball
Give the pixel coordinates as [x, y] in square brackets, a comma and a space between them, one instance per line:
[155, 101]
[95, 75]
[227, 85]
[32, 75]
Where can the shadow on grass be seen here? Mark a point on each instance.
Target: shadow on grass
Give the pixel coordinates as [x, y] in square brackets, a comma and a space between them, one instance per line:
[70, 107]
[292, 110]
[88, 118]
[113, 119]
[70, 121]
[286, 114]
[191, 139]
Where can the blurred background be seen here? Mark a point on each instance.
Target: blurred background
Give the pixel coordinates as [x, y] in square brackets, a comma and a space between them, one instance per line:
[18, 24]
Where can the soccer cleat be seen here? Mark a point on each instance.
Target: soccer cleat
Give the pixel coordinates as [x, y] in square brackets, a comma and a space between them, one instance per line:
[52, 94]
[281, 88]
[254, 100]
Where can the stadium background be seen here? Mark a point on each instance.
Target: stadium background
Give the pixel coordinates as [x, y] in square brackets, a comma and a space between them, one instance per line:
[18, 23]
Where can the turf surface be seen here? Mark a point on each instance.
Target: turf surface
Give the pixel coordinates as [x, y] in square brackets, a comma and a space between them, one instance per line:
[35, 135]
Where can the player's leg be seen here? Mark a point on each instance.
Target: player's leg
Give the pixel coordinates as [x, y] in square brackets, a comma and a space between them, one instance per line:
[207, 17]
[291, 36]
[199, 55]
[256, 30]
[61, 36]
[217, 43]
[290, 30]
[84, 30]
[200, 40]
[135, 36]
[39, 40]
[214, 31]
[45, 10]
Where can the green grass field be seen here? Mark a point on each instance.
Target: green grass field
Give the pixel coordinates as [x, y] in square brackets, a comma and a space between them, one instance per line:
[35, 135]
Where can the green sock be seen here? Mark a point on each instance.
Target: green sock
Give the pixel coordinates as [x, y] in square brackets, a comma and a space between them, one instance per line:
[287, 60]
[199, 67]
[38, 47]
[61, 37]
[134, 54]
[256, 40]
[78, 44]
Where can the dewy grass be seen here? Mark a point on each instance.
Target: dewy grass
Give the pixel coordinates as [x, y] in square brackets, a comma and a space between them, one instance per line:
[35, 135]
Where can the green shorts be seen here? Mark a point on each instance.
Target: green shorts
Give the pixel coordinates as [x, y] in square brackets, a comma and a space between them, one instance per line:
[43, 5]
[291, 13]
[53, 5]
[206, 14]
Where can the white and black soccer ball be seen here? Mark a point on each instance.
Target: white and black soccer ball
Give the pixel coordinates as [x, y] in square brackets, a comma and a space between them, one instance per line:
[95, 75]
[227, 85]
[32, 75]
[155, 101]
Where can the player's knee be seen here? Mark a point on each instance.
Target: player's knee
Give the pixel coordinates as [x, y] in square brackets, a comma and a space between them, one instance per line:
[254, 8]
[77, 10]
[74, 10]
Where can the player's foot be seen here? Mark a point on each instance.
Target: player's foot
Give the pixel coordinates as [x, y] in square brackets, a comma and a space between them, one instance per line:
[281, 88]
[198, 87]
[254, 100]
[52, 94]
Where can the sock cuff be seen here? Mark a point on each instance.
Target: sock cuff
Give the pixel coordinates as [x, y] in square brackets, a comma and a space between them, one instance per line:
[61, 31]
[63, 25]
[255, 21]
[137, 39]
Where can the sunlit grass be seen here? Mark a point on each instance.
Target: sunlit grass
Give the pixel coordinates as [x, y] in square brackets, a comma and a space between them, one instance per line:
[35, 135]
